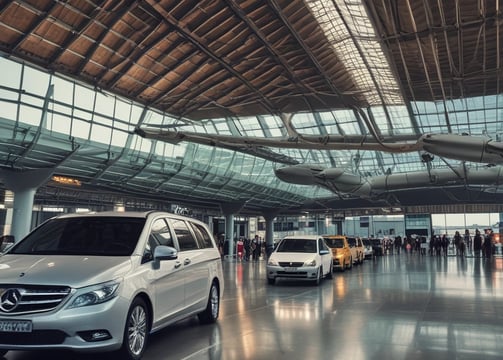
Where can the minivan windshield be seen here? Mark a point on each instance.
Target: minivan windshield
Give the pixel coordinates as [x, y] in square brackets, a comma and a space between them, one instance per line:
[91, 236]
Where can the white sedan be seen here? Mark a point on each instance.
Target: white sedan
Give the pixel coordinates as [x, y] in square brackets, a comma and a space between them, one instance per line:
[303, 257]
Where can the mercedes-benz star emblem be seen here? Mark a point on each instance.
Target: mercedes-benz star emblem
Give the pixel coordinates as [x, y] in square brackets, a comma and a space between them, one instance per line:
[9, 300]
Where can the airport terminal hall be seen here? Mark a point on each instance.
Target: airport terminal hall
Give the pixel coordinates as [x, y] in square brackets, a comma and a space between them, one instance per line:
[251, 179]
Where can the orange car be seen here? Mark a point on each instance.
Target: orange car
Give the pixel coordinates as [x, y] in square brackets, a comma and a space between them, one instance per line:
[341, 252]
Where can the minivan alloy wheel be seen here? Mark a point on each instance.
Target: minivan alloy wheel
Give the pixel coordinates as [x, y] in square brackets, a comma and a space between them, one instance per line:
[210, 314]
[136, 330]
[214, 300]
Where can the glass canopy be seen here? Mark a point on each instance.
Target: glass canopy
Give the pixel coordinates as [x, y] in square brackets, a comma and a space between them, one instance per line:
[100, 126]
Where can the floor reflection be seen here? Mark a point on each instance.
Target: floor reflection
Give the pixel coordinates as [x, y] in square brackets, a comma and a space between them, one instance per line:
[396, 307]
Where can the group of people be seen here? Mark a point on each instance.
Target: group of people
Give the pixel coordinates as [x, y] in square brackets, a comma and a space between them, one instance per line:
[478, 244]
[247, 249]
[481, 245]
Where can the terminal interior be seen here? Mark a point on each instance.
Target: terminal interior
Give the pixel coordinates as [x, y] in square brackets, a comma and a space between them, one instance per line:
[274, 117]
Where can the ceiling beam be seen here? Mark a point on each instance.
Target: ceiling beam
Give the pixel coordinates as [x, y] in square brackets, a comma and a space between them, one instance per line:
[200, 44]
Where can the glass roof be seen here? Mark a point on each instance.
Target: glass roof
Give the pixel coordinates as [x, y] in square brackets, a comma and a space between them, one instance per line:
[88, 116]
[347, 26]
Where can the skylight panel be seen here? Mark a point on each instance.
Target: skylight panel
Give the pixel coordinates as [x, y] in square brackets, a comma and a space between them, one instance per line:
[347, 27]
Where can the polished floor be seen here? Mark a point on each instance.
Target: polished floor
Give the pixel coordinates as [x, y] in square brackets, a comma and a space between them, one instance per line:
[393, 307]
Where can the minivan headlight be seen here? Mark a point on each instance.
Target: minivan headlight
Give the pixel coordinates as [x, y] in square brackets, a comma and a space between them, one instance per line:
[96, 295]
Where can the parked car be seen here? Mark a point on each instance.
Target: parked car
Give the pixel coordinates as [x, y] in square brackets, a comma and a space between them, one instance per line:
[304, 257]
[105, 281]
[368, 251]
[341, 253]
[356, 247]
[377, 246]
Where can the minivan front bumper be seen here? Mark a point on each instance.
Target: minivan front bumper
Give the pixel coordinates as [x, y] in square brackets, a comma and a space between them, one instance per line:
[97, 327]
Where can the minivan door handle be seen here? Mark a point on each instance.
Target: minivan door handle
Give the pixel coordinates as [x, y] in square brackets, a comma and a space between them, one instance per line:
[186, 262]
[178, 264]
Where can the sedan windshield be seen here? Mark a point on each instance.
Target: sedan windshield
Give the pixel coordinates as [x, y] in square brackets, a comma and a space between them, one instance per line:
[297, 245]
[102, 236]
[352, 242]
[335, 243]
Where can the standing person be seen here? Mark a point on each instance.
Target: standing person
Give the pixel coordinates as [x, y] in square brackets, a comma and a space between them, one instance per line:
[462, 246]
[417, 244]
[438, 245]
[468, 240]
[240, 249]
[477, 243]
[424, 245]
[487, 245]
[247, 246]
[457, 241]
[256, 248]
[398, 244]
[445, 243]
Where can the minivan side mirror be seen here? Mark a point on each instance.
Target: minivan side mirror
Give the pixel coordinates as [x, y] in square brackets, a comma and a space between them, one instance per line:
[163, 252]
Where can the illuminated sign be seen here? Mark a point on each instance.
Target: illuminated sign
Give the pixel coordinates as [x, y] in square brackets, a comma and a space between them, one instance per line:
[66, 180]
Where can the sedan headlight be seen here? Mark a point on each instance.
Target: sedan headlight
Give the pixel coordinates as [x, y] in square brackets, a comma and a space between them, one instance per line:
[310, 263]
[272, 262]
[96, 295]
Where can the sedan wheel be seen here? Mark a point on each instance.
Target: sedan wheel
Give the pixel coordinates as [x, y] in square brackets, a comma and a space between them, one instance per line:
[319, 276]
[330, 274]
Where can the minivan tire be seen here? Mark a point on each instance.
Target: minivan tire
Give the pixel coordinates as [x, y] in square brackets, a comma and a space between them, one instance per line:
[136, 331]
[210, 314]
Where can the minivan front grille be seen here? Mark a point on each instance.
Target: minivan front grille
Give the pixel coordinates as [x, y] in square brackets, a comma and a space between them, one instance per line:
[24, 299]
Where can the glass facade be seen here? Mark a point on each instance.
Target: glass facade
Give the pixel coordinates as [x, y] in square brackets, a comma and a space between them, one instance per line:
[51, 110]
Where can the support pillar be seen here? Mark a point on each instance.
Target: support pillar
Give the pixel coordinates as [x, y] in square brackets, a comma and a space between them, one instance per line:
[9, 205]
[229, 235]
[269, 217]
[229, 209]
[24, 185]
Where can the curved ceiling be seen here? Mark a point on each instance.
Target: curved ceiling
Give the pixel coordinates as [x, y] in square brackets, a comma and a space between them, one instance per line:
[222, 59]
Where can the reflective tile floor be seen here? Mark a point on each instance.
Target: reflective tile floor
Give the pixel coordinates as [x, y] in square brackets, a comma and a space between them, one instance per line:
[393, 307]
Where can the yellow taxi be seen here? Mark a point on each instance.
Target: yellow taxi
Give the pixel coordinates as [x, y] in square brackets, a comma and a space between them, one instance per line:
[341, 252]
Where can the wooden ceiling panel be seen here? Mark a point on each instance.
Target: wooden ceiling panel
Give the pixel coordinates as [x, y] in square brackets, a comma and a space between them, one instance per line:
[443, 50]
[195, 57]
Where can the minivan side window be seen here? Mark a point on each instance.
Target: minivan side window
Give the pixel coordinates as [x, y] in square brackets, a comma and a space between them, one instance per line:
[159, 235]
[185, 239]
[202, 236]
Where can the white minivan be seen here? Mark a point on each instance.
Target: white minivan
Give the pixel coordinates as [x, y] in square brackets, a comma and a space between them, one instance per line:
[105, 281]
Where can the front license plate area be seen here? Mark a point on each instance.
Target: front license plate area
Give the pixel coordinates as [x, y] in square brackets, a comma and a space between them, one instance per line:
[291, 269]
[16, 326]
